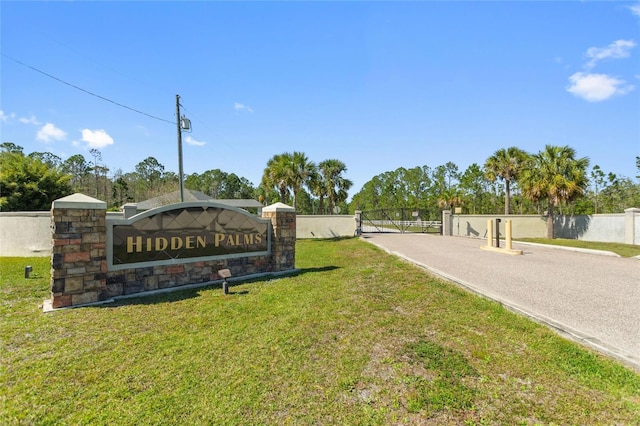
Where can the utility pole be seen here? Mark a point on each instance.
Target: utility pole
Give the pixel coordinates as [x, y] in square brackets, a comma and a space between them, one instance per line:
[180, 171]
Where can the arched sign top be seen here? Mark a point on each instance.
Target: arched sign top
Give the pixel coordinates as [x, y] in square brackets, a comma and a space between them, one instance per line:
[189, 204]
[185, 232]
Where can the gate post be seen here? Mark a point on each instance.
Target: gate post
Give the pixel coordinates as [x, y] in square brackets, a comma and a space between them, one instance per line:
[631, 228]
[358, 223]
[447, 222]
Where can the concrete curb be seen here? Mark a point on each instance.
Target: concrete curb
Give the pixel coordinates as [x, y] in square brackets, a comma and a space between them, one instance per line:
[578, 249]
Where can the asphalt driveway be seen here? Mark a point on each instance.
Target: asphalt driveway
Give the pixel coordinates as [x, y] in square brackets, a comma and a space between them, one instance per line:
[591, 298]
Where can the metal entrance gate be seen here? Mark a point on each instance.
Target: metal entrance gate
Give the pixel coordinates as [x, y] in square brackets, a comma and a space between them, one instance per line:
[398, 220]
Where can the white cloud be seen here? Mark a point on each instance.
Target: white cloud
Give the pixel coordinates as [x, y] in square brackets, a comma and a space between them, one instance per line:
[96, 138]
[4, 117]
[192, 141]
[239, 107]
[616, 50]
[30, 120]
[594, 87]
[597, 87]
[49, 133]
[635, 9]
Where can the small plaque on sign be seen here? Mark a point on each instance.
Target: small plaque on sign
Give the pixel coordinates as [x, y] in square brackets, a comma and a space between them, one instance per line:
[458, 210]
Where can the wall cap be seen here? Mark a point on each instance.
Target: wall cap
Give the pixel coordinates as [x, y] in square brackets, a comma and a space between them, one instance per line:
[78, 201]
[26, 214]
[278, 207]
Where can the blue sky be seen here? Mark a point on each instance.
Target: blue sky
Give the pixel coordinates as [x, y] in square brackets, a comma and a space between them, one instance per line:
[378, 85]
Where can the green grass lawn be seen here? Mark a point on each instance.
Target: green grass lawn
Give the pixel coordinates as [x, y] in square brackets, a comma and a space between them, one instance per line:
[624, 250]
[357, 337]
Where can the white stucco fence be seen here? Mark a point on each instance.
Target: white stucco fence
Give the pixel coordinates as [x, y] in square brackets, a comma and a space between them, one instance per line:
[608, 228]
[24, 234]
[333, 226]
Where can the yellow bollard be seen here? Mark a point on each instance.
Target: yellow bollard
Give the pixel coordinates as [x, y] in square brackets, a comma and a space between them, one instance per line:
[508, 246]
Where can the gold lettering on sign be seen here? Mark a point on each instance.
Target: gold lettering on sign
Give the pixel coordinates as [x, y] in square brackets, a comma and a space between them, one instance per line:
[148, 240]
[189, 242]
[161, 243]
[176, 243]
[131, 244]
[250, 239]
[139, 244]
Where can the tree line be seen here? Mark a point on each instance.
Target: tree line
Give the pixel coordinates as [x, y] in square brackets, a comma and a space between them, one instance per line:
[30, 182]
[511, 180]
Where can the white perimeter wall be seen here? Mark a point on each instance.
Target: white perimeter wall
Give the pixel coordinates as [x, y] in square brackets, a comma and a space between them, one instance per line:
[524, 226]
[602, 227]
[325, 226]
[25, 234]
[607, 228]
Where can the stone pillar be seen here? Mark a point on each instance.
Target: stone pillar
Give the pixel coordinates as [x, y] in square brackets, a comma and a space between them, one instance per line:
[283, 238]
[632, 226]
[78, 259]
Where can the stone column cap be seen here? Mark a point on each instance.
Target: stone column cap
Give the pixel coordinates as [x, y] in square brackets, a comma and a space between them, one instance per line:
[130, 209]
[278, 207]
[78, 201]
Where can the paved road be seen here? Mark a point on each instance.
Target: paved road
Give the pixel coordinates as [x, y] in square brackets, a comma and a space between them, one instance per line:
[591, 298]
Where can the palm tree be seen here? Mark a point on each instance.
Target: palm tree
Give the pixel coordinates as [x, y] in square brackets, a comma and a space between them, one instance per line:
[317, 188]
[336, 186]
[450, 198]
[287, 173]
[276, 175]
[506, 164]
[557, 176]
[301, 170]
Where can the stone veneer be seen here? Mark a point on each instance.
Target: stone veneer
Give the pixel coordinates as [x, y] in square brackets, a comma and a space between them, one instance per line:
[283, 237]
[79, 272]
[78, 258]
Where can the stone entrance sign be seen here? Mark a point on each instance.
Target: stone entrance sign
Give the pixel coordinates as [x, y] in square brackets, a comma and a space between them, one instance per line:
[185, 232]
[98, 257]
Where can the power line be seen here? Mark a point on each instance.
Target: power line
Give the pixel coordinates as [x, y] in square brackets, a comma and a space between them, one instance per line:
[86, 91]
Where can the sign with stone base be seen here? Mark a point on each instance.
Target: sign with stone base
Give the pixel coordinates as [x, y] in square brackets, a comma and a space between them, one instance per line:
[98, 257]
[187, 232]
